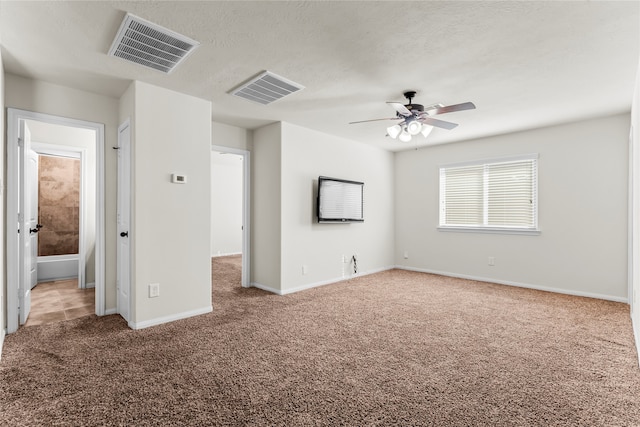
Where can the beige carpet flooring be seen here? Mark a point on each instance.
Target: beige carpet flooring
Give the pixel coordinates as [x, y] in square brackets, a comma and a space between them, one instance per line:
[396, 348]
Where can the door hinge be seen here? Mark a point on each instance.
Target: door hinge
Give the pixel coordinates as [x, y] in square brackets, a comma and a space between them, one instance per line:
[20, 141]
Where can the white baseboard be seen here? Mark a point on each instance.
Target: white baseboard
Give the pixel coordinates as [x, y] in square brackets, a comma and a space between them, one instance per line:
[225, 254]
[315, 284]
[266, 288]
[517, 284]
[3, 332]
[90, 285]
[170, 318]
[109, 311]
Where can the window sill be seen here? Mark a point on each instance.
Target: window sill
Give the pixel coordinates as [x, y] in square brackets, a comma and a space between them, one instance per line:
[491, 230]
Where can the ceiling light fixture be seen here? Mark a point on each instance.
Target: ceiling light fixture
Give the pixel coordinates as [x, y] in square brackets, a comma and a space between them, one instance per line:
[415, 118]
[414, 127]
[426, 130]
[405, 136]
[406, 131]
[394, 131]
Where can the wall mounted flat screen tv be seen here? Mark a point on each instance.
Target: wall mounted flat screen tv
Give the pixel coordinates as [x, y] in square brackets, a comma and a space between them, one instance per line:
[340, 200]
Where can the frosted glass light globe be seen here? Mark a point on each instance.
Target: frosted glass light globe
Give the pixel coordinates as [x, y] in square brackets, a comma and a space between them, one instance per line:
[405, 136]
[414, 127]
[394, 131]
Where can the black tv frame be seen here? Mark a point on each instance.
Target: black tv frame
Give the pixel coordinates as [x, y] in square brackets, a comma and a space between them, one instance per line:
[338, 220]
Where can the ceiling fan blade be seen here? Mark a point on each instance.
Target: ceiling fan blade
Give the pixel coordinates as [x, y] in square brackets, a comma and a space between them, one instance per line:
[374, 120]
[453, 108]
[400, 108]
[437, 123]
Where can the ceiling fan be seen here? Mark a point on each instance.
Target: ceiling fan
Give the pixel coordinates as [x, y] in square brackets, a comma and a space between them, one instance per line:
[415, 118]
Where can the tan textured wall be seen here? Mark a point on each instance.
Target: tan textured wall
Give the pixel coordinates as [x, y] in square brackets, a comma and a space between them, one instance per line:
[58, 205]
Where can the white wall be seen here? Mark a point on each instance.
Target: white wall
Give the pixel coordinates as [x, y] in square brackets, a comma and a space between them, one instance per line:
[3, 264]
[582, 248]
[231, 136]
[43, 97]
[171, 222]
[307, 154]
[226, 203]
[265, 207]
[287, 161]
[84, 139]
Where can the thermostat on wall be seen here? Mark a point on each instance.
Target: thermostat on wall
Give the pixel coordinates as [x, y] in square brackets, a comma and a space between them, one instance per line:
[178, 179]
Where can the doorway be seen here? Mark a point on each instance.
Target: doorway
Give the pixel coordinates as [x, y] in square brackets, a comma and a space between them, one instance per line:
[30, 132]
[66, 201]
[230, 179]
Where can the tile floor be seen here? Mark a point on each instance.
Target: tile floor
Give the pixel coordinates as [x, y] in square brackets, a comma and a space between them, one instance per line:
[59, 300]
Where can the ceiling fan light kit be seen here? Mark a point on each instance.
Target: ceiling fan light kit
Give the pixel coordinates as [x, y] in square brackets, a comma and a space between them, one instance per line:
[394, 131]
[426, 130]
[405, 136]
[414, 127]
[416, 119]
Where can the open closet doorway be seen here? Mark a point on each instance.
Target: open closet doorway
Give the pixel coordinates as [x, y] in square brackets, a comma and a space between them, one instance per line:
[230, 207]
[55, 268]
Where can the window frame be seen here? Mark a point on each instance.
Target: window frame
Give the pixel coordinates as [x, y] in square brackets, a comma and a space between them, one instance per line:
[482, 228]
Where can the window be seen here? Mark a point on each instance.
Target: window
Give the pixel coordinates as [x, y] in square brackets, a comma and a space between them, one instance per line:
[492, 196]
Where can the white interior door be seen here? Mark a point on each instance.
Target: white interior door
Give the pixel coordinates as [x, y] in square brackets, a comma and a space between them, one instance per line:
[34, 226]
[27, 221]
[124, 219]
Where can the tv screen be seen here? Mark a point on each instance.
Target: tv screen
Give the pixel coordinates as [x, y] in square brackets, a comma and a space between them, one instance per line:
[340, 200]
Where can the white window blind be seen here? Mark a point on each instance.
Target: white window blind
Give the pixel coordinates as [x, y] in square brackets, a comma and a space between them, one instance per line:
[490, 195]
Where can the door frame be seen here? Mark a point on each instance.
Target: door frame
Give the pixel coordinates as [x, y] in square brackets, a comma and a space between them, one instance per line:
[246, 209]
[13, 205]
[79, 153]
[119, 186]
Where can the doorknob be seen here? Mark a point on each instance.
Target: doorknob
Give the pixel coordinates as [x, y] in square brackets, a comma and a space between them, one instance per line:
[39, 225]
[33, 230]
[124, 234]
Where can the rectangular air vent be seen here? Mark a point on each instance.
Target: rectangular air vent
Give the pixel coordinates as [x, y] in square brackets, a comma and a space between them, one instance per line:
[266, 88]
[150, 45]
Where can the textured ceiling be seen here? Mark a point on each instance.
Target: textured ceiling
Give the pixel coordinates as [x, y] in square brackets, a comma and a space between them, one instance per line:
[524, 64]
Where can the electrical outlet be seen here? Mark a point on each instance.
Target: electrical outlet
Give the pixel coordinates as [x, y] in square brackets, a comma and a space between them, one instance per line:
[406, 254]
[305, 270]
[492, 261]
[154, 290]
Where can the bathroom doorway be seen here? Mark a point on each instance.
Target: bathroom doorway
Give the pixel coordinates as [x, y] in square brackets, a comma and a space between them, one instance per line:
[67, 231]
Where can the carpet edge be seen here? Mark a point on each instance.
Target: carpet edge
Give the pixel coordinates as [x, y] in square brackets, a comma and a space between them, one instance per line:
[516, 284]
[317, 284]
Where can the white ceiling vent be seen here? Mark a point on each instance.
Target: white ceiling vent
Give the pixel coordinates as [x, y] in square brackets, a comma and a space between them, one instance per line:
[150, 45]
[266, 88]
